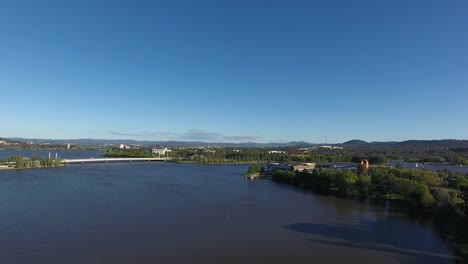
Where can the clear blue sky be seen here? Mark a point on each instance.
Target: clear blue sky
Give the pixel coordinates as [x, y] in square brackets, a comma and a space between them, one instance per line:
[234, 70]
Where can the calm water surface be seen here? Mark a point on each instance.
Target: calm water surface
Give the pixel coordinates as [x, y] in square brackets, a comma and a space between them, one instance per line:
[189, 213]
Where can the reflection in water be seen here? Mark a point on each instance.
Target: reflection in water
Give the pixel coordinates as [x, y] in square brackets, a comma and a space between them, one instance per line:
[394, 237]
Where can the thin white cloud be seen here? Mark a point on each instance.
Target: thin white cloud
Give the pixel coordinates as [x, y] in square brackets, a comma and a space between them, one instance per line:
[200, 135]
[123, 134]
[242, 138]
[190, 135]
[157, 134]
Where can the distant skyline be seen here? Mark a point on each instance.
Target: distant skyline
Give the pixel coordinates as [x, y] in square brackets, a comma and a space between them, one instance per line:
[234, 71]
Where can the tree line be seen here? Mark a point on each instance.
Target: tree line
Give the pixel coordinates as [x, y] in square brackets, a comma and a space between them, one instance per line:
[35, 162]
[245, 155]
[128, 153]
[375, 155]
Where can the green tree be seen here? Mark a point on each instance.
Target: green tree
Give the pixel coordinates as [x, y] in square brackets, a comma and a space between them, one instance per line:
[425, 198]
[460, 182]
[363, 185]
[345, 182]
[284, 176]
[256, 168]
[36, 163]
[459, 160]
[447, 198]
[57, 162]
[19, 162]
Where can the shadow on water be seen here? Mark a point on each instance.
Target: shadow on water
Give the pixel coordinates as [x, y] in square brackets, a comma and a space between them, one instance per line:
[397, 239]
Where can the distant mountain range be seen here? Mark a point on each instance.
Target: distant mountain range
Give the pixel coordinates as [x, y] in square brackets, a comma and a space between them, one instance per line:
[90, 141]
[444, 143]
[7, 140]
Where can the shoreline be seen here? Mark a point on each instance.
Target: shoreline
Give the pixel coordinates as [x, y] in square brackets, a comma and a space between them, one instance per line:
[220, 163]
[13, 168]
[180, 162]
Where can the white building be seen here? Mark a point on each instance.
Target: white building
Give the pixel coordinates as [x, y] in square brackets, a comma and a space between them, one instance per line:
[330, 147]
[277, 151]
[160, 151]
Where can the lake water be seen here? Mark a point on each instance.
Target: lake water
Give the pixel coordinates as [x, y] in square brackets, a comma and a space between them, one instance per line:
[189, 213]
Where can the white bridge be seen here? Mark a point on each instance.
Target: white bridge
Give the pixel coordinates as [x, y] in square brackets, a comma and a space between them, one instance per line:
[114, 160]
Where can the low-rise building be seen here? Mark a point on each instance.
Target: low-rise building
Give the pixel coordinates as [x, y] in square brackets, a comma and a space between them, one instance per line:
[159, 151]
[275, 166]
[277, 151]
[338, 166]
[304, 166]
[330, 147]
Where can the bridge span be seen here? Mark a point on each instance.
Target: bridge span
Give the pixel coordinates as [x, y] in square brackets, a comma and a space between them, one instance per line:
[111, 160]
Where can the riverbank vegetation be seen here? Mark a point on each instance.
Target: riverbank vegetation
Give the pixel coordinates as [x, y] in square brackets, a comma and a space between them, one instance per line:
[129, 153]
[227, 155]
[13, 145]
[417, 190]
[254, 170]
[20, 162]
